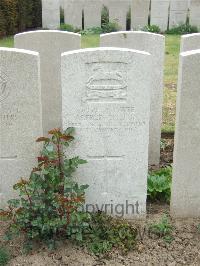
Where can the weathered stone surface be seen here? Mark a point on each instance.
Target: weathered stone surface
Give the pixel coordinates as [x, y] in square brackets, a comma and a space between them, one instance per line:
[190, 42]
[62, 4]
[118, 12]
[178, 12]
[139, 13]
[155, 45]
[51, 14]
[20, 117]
[50, 45]
[186, 168]
[92, 13]
[106, 98]
[73, 10]
[195, 13]
[160, 13]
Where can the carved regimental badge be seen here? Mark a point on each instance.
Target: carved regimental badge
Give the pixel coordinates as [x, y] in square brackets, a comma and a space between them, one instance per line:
[109, 85]
[4, 92]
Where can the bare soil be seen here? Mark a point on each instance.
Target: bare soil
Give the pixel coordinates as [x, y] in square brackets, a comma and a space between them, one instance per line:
[150, 250]
[183, 250]
[166, 157]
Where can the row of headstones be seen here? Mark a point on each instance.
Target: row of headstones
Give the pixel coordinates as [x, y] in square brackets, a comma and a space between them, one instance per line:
[113, 97]
[161, 12]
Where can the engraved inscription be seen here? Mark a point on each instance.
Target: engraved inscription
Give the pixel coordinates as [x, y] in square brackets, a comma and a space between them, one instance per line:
[121, 118]
[106, 82]
[9, 117]
[106, 158]
[8, 157]
[7, 121]
[4, 91]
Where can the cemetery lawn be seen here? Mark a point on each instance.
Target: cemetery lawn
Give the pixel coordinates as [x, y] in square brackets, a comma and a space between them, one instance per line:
[170, 73]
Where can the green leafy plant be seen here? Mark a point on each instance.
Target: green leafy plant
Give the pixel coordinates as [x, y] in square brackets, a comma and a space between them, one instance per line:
[106, 233]
[110, 27]
[162, 229]
[163, 144]
[152, 28]
[68, 27]
[49, 201]
[159, 184]
[93, 30]
[182, 29]
[104, 15]
[4, 256]
[105, 28]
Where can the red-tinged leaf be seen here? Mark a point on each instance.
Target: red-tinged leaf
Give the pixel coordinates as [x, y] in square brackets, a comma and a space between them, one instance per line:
[4, 213]
[53, 162]
[42, 159]
[24, 182]
[43, 139]
[54, 131]
[36, 169]
[67, 137]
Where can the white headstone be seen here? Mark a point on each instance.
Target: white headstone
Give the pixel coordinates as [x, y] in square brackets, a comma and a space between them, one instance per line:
[178, 12]
[73, 12]
[118, 11]
[139, 13]
[160, 13]
[20, 117]
[195, 13]
[51, 14]
[92, 13]
[50, 45]
[62, 4]
[190, 42]
[155, 45]
[185, 200]
[106, 98]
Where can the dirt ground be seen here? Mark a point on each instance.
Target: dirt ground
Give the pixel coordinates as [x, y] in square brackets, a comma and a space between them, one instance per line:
[183, 250]
[167, 148]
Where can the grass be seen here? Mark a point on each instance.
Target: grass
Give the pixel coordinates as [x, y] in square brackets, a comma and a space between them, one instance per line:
[170, 73]
[90, 41]
[170, 81]
[7, 42]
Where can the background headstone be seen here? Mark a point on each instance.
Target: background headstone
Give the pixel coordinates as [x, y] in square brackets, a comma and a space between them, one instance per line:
[20, 117]
[62, 3]
[51, 14]
[160, 13]
[118, 11]
[195, 13]
[92, 13]
[139, 13]
[50, 45]
[178, 12]
[155, 45]
[185, 197]
[190, 42]
[73, 12]
[106, 98]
